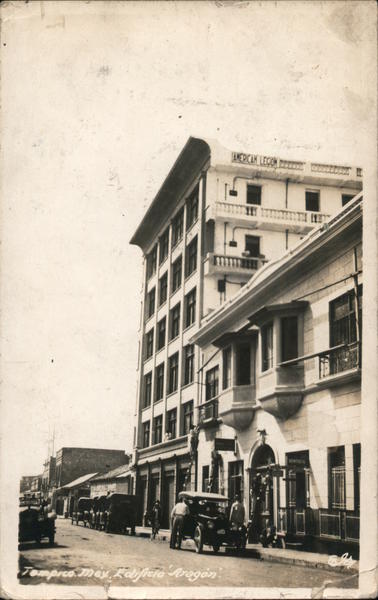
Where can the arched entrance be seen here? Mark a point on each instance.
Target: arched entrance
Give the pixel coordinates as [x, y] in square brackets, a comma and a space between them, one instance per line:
[261, 491]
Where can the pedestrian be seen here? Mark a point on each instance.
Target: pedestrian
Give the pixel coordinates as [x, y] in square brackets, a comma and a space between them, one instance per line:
[237, 513]
[155, 519]
[178, 514]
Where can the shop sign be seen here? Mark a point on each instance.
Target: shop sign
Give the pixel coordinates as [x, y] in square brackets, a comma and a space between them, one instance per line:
[266, 161]
[224, 444]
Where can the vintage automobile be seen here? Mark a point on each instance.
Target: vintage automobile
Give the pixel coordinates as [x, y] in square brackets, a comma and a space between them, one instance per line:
[36, 523]
[208, 522]
[83, 511]
[120, 513]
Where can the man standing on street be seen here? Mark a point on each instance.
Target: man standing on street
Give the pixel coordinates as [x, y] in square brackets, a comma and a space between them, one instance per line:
[237, 513]
[178, 514]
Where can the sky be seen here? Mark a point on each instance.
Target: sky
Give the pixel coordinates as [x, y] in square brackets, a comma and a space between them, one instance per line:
[98, 99]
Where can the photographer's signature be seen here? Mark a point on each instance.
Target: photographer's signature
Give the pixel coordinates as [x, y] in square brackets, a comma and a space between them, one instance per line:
[341, 561]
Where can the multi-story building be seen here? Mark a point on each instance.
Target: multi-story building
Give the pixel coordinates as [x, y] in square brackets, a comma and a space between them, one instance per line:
[218, 218]
[281, 421]
[72, 463]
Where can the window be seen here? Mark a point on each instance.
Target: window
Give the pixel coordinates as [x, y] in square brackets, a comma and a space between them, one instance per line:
[312, 201]
[163, 285]
[253, 194]
[149, 343]
[173, 373]
[243, 364]
[267, 347]
[205, 478]
[252, 245]
[191, 257]
[356, 474]
[158, 429]
[188, 364]
[187, 417]
[336, 477]
[297, 480]
[150, 303]
[176, 273]
[226, 368]
[171, 423]
[177, 228]
[192, 209]
[235, 479]
[345, 198]
[151, 262]
[160, 338]
[289, 338]
[190, 307]
[159, 382]
[147, 390]
[163, 246]
[343, 318]
[146, 434]
[212, 383]
[175, 321]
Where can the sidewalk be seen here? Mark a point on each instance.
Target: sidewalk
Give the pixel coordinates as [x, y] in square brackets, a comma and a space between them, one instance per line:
[287, 555]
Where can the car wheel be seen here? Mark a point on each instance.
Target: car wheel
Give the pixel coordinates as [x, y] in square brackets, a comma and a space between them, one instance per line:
[216, 549]
[198, 539]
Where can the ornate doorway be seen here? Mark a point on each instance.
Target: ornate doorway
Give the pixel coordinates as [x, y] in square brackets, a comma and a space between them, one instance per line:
[261, 491]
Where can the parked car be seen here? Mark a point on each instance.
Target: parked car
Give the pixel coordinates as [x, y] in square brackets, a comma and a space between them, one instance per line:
[120, 513]
[208, 522]
[83, 511]
[36, 523]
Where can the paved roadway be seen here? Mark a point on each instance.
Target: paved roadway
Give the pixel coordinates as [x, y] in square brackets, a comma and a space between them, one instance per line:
[82, 556]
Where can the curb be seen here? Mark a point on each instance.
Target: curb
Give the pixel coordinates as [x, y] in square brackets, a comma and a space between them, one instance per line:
[257, 554]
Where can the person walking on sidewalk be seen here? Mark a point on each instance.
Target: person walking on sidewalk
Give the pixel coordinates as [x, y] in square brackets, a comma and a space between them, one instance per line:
[178, 514]
[155, 519]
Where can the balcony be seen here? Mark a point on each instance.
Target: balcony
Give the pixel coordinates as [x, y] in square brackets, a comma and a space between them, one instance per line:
[281, 390]
[208, 414]
[222, 264]
[339, 364]
[274, 219]
[237, 406]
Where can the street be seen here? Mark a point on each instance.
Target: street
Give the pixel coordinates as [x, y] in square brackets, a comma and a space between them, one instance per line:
[85, 556]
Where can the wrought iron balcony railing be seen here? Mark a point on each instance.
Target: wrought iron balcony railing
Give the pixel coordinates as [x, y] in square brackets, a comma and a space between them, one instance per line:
[339, 359]
[208, 410]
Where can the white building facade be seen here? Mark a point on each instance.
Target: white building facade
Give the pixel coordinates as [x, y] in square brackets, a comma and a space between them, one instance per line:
[219, 218]
[285, 362]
